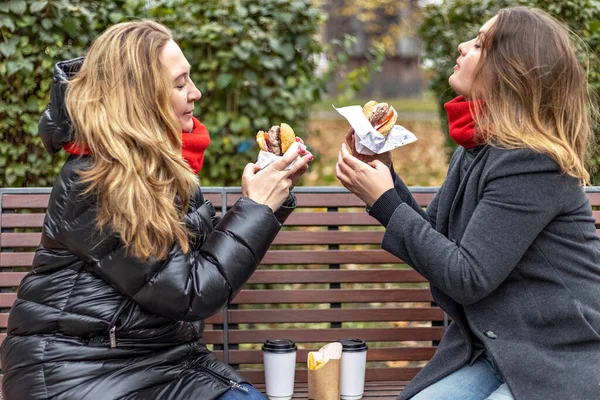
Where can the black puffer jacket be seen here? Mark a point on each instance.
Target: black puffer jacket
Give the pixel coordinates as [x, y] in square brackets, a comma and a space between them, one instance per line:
[92, 323]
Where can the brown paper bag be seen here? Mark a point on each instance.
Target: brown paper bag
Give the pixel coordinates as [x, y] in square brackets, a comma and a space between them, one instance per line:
[324, 372]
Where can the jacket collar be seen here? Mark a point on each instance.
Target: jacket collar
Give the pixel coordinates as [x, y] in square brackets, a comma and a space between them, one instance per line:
[55, 125]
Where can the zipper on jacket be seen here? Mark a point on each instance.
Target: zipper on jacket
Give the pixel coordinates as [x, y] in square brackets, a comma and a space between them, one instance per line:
[112, 328]
[113, 337]
[229, 382]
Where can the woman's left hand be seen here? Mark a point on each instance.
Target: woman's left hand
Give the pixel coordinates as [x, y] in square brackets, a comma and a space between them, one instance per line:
[296, 176]
[367, 181]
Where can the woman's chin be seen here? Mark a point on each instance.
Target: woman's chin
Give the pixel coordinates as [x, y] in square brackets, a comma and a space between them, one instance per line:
[187, 125]
[457, 88]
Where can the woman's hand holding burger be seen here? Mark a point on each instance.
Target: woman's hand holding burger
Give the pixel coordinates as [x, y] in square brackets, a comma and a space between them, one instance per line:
[382, 117]
[271, 185]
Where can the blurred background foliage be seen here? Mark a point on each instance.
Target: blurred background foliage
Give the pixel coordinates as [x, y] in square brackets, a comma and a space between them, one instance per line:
[255, 62]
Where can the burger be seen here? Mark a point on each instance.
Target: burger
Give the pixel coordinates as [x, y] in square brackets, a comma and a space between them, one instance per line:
[277, 140]
[381, 115]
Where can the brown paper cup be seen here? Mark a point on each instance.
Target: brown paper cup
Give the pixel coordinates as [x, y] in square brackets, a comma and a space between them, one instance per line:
[324, 383]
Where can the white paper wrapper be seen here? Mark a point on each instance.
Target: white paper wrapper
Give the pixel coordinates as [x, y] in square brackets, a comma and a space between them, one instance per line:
[265, 158]
[368, 141]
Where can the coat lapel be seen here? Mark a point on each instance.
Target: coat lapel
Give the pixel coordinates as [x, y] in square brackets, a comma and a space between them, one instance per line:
[447, 197]
[454, 196]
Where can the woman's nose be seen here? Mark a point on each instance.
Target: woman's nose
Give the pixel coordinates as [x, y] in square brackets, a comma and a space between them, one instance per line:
[194, 94]
[461, 48]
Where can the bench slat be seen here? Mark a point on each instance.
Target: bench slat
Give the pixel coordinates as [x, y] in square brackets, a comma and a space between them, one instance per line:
[331, 335]
[29, 240]
[594, 199]
[22, 220]
[316, 200]
[25, 201]
[11, 279]
[336, 315]
[306, 296]
[16, 259]
[328, 237]
[336, 276]
[9, 240]
[374, 354]
[294, 257]
[3, 320]
[35, 201]
[298, 218]
[372, 374]
[316, 257]
[332, 296]
[7, 299]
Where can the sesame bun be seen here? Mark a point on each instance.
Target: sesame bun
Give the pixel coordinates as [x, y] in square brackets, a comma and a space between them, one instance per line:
[368, 108]
[277, 140]
[260, 139]
[288, 137]
[382, 116]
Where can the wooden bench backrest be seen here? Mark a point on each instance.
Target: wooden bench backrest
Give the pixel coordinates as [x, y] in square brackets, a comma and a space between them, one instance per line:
[325, 278]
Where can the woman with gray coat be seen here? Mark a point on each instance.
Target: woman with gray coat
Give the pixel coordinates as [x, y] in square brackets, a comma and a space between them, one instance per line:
[508, 244]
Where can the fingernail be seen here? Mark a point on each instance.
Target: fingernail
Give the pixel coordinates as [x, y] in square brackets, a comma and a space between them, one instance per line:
[311, 158]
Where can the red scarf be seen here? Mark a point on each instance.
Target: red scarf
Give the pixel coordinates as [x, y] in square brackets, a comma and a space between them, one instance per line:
[460, 120]
[193, 145]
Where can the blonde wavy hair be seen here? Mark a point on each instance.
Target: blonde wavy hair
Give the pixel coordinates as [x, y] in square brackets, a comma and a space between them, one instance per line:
[120, 105]
[535, 90]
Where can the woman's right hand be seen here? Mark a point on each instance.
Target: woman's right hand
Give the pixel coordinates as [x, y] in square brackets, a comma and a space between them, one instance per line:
[271, 185]
[385, 158]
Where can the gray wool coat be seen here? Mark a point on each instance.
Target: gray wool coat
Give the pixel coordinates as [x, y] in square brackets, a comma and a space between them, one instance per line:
[513, 250]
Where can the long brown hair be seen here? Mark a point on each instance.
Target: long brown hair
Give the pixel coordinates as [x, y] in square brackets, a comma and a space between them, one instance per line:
[535, 90]
[120, 105]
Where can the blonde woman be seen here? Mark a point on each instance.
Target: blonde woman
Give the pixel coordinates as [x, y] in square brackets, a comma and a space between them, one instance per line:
[509, 244]
[132, 258]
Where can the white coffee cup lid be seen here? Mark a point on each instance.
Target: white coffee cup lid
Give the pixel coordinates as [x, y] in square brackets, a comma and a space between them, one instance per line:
[353, 345]
[279, 346]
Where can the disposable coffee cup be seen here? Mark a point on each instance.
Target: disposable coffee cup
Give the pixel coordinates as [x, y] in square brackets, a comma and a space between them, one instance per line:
[279, 357]
[352, 369]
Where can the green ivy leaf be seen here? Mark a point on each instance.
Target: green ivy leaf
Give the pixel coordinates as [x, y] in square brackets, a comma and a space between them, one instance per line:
[71, 26]
[37, 6]
[224, 80]
[18, 6]
[241, 53]
[288, 51]
[47, 24]
[9, 48]
[5, 21]
[286, 17]
[115, 17]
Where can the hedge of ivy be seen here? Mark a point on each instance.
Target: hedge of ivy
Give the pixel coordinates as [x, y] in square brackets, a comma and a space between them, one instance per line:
[34, 35]
[253, 60]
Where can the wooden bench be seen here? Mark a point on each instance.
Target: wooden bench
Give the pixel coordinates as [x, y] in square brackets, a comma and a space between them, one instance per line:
[325, 278]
